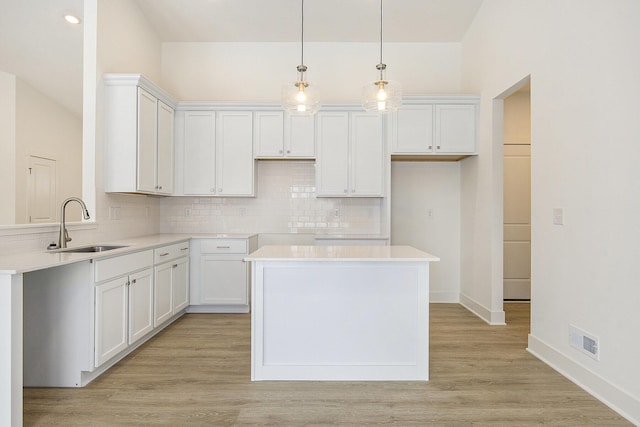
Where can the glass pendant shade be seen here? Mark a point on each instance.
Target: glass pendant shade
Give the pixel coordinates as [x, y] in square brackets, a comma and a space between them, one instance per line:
[381, 95]
[301, 97]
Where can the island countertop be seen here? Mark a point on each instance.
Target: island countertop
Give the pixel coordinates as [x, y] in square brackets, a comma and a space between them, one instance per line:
[340, 253]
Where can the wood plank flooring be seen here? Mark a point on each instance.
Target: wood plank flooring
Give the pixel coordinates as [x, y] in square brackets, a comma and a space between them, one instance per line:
[196, 373]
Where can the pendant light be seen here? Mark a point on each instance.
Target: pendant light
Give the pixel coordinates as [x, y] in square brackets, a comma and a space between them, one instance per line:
[381, 95]
[301, 97]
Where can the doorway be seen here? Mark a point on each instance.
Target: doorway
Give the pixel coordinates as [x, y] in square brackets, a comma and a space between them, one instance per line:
[517, 195]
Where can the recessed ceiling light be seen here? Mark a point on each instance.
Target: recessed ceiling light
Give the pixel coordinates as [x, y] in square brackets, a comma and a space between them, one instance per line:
[72, 19]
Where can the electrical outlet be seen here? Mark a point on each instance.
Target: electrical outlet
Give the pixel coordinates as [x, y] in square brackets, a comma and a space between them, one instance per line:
[336, 213]
[585, 343]
[187, 211]
[430, 213]
[243, 211]
[558, 216]
[114, 213]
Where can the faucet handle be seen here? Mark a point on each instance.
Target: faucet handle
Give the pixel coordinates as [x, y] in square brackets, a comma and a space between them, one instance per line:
[66, 235]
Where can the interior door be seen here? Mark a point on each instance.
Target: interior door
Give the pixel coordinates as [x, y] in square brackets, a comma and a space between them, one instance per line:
[41, 189]
[517, 222]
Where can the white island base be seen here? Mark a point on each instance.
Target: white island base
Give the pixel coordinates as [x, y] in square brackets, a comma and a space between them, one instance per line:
[340, 313]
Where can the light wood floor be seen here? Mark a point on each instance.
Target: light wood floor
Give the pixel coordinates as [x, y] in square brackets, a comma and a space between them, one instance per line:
[196, 373]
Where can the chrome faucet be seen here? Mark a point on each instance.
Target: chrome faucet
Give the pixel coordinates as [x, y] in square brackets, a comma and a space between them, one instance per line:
[63, 237]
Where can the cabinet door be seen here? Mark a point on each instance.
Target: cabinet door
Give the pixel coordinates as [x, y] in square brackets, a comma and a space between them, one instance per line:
[165, 149]
[199, 152]
[413, 129]
[332, 163]
[147, 134]
[163, 293]
[111, 319]
[140, 304]
[367, 155]
[223, 281]
[455, 128]
[268, 132]
[180, 283]
[234, 154]
[300, 136]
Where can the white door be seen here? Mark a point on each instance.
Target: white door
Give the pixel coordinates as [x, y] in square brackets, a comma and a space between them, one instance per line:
[111, 319]
[147, 137]
[41, 198]
[300, 136]
[455, 128]
[517, 222]
[163, 293]
[140, 304]
[165, 149]
[268, 132]
[367, 155]
[223, 281]
[180, 283]
[199, 152]
[332, 164]
[234, 153]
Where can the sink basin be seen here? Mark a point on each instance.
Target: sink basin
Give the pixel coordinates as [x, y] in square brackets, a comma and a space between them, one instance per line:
[91, 249]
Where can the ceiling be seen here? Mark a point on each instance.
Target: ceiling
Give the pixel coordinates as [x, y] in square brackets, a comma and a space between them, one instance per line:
[46, 52]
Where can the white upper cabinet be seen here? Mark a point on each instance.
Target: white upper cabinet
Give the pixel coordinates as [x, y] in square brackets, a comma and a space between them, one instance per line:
[217, 154]
[350, 161]
[139, 136]
[436, 125]
[234, 154]
[455, 129]
[199, 153]
[413, 126]
[268, 131]
[278, 135]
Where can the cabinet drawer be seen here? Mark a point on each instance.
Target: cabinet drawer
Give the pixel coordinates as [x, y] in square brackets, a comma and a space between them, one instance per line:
[119, 266]
[224, 246]
[168, 252]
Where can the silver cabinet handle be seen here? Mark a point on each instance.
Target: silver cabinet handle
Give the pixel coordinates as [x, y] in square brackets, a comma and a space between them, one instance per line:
[164, 254]
[134, 281]
[223, 247]
[184, 249]
[174, 266]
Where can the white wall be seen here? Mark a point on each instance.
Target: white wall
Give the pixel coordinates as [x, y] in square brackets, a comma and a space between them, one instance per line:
[257, 71]
[585, 99]
[425, 214]
[7, 146]
[45, 128]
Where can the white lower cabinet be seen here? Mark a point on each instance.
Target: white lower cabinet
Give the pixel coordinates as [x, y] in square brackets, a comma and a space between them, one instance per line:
[219, 276]
[124, 303]
[171, 281]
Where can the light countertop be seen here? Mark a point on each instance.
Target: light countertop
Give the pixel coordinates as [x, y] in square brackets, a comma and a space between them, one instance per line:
[39, 260]
[340, 253]
[321, 236]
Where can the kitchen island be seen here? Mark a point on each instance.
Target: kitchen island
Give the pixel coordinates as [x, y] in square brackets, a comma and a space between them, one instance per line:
[340, 313]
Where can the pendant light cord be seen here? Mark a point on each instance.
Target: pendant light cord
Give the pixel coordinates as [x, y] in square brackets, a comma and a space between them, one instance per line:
[302, 36]
[380, 31]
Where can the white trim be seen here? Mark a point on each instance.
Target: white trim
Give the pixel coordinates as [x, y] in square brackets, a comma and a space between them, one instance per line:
[611, 395]
[493, 318]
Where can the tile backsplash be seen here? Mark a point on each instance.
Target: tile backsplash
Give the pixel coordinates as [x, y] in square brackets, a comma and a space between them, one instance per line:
[285, 203]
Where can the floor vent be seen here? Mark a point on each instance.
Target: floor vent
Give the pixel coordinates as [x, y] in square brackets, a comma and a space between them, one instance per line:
[586, 343]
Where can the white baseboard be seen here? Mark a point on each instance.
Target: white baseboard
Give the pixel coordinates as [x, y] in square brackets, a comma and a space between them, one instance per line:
[444, 297]
[617, 399]
[493, 318]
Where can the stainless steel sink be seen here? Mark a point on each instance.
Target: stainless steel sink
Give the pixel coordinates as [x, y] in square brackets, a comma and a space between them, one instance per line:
[90, 249]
